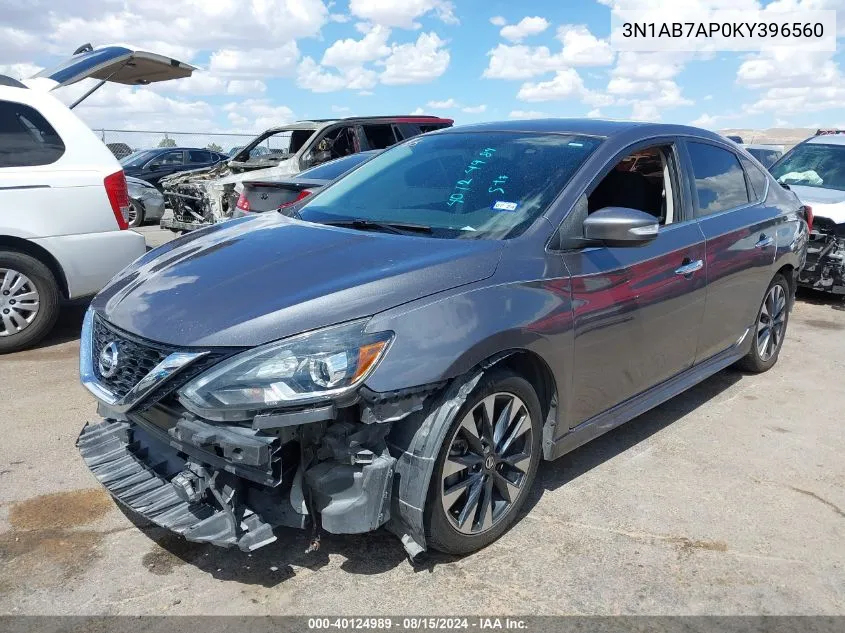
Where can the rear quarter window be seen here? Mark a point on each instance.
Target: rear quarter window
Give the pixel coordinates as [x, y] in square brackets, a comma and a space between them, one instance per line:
[26, 138]
[757, 178]
[718, 178]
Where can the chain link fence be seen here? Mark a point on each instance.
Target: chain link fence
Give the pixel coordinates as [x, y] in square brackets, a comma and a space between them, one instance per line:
[124, 142]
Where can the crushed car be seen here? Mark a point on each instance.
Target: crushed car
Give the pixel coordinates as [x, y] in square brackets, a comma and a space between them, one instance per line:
[408, 347]
[815, 171]
[203, 197]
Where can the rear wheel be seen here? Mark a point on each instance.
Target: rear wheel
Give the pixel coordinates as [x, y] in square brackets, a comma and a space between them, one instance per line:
[136, 214]
[770, 329]
[486, 465]
[29, 301]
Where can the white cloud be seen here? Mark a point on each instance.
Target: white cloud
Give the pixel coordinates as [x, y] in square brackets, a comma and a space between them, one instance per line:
[498, 20]
[582, 48]
[257, 115]
[350, 52]
[594, 114]
[418, 111]
[311, 76]
[256, 62]
[645, 82]
[338, 17]
[246, 87]
[340, 109]
[443, 105]
[416, 63]
[19, 71]
[565, 84]
[527, 114]
[526, 27]
[475, 109]
[645, 111]
[705, 120]
[402, 14]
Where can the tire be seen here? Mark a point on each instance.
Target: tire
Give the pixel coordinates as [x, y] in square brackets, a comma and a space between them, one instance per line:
[43, 283]
[481, 528]
[763, 358]
[138, 213]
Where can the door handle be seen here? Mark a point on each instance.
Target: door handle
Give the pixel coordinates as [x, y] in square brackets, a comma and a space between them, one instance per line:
[764, 241]
[689, 267]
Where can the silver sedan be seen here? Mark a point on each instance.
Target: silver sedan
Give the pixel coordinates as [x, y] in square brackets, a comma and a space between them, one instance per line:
[146, 202]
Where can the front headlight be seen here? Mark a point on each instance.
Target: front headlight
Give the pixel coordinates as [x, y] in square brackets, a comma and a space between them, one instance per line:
[314, 366]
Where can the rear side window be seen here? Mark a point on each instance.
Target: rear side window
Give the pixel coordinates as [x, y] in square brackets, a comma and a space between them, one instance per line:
[379, 136]
[756, 178]
[719, 179]
[199, 156]
[26, 138]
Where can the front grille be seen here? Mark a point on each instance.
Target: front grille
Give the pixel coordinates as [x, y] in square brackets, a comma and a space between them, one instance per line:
[138, 356]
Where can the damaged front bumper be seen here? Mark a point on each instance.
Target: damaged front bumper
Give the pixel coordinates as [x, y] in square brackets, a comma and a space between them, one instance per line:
[231, 486]
[825, 265]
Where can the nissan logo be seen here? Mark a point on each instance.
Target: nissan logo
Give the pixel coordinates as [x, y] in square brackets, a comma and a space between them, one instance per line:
[108, 360]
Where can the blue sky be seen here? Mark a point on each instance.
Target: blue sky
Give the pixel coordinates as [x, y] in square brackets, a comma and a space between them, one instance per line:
[265, 63]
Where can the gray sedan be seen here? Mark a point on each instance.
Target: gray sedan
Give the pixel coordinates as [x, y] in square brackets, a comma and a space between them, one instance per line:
[145, 202]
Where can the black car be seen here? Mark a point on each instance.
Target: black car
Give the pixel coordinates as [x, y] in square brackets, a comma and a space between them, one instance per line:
[410, 345]
[271, 194]
[154, 164]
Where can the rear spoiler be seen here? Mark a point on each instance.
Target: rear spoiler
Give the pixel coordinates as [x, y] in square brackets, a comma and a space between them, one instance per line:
[829, 131]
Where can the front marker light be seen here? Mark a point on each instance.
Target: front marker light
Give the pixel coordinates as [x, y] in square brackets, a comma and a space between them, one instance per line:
[309, 367]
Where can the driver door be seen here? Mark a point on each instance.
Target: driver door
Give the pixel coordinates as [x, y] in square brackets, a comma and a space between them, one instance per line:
[637, 309]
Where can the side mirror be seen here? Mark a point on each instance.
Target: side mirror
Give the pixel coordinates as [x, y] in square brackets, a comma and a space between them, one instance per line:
[620, 226]
[154, 166]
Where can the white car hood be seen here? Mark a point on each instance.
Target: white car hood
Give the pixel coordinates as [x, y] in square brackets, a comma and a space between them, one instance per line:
[826, 203]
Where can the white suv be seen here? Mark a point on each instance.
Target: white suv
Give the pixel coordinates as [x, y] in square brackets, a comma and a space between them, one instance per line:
[63, 195]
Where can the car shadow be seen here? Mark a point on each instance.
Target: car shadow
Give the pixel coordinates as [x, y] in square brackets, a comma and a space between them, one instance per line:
[819, 298]
[380, 551]
[553, 475]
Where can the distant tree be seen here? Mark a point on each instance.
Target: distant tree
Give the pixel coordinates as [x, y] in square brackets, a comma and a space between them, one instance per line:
[213, 147]
[167, 142]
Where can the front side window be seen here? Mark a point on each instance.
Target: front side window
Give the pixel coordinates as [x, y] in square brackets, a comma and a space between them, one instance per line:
[812, 165]
[467, 185]
[169, 159]
[719, 179]
[26, 138]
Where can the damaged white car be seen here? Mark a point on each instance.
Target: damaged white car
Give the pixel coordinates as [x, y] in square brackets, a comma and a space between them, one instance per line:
[815, 171]
[203, 197]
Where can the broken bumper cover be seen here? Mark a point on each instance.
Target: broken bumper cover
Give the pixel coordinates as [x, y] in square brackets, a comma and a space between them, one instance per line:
[181, 481]
[824, 268]
[177, 225]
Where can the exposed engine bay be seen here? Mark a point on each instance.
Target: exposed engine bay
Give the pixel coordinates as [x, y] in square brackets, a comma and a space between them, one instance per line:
[825, 265]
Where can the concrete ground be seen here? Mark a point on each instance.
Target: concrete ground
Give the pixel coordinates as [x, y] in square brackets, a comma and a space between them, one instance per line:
[729, 499]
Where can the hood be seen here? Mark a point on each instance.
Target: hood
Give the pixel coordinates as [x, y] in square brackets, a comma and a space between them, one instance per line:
[250, 281]
[286, 167]
[826, 203]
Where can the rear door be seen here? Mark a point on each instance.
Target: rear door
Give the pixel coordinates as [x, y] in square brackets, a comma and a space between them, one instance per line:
[118, 64]
[739, 229]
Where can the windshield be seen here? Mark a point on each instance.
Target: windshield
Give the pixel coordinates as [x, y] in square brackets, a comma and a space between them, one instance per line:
[276, 145]
[333, 169]
[138, 158]
[487, 185]
[813, 165]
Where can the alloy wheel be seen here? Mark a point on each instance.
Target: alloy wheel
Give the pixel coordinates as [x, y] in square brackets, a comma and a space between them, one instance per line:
[487, 463]
[19, 302]
[771, 322]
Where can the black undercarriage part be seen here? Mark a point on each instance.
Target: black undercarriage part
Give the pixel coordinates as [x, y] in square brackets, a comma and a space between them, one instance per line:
[825, 265]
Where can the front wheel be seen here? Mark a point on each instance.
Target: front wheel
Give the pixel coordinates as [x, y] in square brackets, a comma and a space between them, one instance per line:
[770, 328]
[486, 465]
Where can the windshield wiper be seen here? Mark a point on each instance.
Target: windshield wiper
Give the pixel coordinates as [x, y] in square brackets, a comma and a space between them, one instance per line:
[399, 228]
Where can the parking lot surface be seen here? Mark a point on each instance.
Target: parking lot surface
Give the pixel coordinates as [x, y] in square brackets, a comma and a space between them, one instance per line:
[729, 499]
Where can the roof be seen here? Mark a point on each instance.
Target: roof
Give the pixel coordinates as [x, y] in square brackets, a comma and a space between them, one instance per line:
[827, 139]
[589, 127]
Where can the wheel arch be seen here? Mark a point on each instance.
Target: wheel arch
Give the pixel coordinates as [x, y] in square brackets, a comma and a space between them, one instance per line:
[21, 245]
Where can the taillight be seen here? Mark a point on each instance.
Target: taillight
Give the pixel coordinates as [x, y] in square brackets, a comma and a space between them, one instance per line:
[808, 215]
[118, 195]
[302, 195]
[242, 203]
